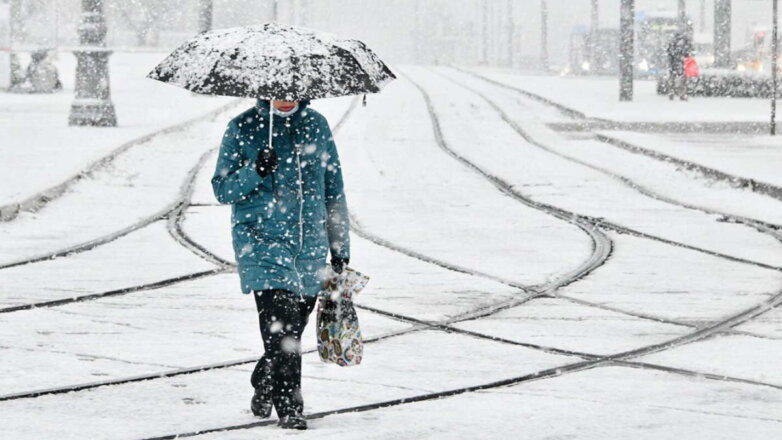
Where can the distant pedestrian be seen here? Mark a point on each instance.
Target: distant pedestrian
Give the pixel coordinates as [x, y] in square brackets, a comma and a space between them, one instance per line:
[288, 211]
[679, 48]
[40, 76]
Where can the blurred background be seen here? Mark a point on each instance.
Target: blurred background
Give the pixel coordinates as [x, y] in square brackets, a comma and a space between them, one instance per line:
[505, 33]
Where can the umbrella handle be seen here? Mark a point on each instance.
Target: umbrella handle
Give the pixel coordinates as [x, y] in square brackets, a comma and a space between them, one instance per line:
[270, 146]
[271, 122]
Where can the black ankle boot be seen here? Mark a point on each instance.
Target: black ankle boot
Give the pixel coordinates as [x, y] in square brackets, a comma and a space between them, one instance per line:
[293, 421]
[261, 403]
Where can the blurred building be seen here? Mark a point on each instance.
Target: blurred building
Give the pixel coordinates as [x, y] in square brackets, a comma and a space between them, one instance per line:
[494, 32]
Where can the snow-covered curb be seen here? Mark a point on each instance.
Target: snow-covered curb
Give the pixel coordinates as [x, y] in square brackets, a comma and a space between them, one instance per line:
[584, 122]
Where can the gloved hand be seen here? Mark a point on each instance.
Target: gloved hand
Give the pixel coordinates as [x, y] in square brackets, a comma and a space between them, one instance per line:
[267, 162]
[339, 264]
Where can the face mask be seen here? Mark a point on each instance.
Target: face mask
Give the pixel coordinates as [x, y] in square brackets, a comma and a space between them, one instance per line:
[285, 114]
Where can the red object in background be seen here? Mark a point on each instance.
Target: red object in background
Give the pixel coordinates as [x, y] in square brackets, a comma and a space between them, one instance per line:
[691, 67]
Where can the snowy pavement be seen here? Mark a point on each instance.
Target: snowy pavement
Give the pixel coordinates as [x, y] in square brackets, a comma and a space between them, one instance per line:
[747, 157]
[43, 153]
[525, 283]
[597, 98]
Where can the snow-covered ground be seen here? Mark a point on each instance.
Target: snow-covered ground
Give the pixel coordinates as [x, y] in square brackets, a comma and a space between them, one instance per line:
[597, 97]
[41, 151]
[568, 288]
[751, 157]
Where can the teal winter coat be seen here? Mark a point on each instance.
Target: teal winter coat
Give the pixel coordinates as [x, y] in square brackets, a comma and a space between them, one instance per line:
[284, 224]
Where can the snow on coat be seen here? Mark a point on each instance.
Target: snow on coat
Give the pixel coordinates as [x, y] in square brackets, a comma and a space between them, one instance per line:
[281, 239]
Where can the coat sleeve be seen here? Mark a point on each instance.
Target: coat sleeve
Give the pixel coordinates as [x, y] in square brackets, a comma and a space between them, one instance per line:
[235, 177]
[337, 219]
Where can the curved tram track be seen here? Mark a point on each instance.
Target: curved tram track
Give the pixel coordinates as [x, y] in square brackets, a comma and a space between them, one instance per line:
[600, 253]
[592, 361]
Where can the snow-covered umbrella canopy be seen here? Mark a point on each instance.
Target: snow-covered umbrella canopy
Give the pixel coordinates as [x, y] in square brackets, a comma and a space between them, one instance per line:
[273, 61]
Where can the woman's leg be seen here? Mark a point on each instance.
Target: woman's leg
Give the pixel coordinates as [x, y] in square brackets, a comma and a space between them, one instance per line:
[261, 380]
[283, 316]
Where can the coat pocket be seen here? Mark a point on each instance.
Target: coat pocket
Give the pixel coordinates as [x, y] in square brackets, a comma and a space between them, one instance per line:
[253, 212]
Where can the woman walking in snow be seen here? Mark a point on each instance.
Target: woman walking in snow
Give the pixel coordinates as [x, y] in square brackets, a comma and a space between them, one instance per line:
[288, 212]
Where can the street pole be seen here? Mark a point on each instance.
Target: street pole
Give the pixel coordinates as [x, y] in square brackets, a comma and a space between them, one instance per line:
[722, 29]
[544, 35]
[417, 31]
[626, 55]
[511, 33]
[6, 74]
[703, 16]
[275, 11]
[14, 12]
[56, 25]
[304, 12]
[92, 105]
[774, 56]
[485, 33]
[294, 12]
[13, 19]
[205, 16]
[594, 23]
[682, 10]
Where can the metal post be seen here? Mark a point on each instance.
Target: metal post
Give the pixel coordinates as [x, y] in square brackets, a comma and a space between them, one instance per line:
[703, 16]
[485, 33]
[774, 56]
[544, 35]
[205, 8]
[6, 72]
[275, 11]
[294, 12]
[14, 13]
[511, 33]
[304, 12]
[682, 12]
[57, 24]
[722, 29]
[15, 7]
[626, 55]
[594, 24]
[92, 105]
[417, 31]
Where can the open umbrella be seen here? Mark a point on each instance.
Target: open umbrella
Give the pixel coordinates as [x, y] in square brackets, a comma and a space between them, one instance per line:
[273, 61]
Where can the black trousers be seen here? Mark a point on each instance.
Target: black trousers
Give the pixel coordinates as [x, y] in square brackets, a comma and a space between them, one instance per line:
[282, 315]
